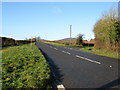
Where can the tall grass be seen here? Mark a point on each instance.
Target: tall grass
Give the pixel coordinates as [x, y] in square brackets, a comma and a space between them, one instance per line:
[24, 67]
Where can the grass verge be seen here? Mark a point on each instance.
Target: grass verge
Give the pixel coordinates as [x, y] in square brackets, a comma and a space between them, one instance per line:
[56, 44]
[100, 52]
[65, 45]
[24, 67]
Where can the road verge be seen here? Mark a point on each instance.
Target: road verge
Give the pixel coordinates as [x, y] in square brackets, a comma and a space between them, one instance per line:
[25, 67]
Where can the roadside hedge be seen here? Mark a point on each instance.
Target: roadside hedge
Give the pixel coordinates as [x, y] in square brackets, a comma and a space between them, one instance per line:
[24, 67]
[107, 31]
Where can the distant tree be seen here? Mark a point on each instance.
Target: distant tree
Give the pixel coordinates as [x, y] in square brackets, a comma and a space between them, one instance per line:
[34, 39]
[26, 39]
[38, 38]
[79, 39]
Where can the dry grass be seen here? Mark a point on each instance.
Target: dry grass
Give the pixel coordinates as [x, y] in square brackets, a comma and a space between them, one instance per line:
[5, 50]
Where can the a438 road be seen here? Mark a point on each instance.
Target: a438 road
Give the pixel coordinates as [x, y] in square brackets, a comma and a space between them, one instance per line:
[77, 69]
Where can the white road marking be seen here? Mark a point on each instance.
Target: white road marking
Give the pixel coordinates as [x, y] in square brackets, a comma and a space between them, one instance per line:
[66, 52]
[110, 66]
[60, 87]
[63, 51]
[88, 59]
[55, 48]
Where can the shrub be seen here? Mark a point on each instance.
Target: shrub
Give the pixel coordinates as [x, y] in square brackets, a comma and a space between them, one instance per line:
[66, 43]
[107, 31]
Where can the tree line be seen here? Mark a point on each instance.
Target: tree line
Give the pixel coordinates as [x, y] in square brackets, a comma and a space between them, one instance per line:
[5, 41]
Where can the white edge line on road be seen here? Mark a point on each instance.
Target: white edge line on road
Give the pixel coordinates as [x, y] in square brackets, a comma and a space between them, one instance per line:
[60, 87]
[88, 59]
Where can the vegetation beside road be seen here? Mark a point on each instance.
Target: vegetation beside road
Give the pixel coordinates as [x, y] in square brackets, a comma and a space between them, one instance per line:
[93, 50]
[107, 31]
[56, 44]
[24, 67]
[107, 35]
[102, 52]
[65, 45]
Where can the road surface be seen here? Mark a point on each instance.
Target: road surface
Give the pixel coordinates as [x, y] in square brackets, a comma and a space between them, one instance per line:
[77, 69]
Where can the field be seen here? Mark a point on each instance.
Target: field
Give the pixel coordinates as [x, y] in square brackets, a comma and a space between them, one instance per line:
[101, 52]
[24, 67]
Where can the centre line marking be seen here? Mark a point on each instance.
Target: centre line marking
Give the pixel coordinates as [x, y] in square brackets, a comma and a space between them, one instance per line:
[88, 59]
[110, 66]
[63, 51]
[55, 48]
[66, 52]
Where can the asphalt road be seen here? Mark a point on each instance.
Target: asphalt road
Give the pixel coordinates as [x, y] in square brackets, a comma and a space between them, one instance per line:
[77, 69]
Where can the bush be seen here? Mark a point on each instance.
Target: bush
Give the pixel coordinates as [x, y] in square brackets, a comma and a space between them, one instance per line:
[79, 40]
[25, 67]
[66, 43]
[107, 31]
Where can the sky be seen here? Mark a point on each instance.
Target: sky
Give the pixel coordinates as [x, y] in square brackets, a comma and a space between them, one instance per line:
[51, 20]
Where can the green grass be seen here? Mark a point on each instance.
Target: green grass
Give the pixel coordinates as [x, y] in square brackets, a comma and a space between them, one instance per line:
[100, 52]
[75, 46]
[58, 44]
[24, 67]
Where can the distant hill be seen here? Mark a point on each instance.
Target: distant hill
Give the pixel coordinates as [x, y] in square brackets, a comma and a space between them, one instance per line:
[68, 39]
[43, 39]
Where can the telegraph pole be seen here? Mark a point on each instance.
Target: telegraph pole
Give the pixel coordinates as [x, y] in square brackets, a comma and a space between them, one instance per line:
[70, 33]
[31, 40]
